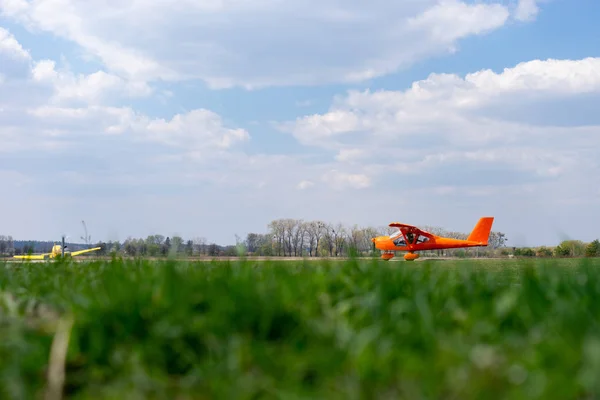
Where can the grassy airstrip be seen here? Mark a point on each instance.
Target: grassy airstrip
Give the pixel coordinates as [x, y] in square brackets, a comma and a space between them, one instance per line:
[353, 329]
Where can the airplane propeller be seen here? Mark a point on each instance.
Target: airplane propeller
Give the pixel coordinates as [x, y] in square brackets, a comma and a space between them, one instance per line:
[63, 246]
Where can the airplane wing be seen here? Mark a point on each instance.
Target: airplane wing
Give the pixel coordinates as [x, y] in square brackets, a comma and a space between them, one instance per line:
[409, 228]
[76, 253]
[400, 225]
[33, 256]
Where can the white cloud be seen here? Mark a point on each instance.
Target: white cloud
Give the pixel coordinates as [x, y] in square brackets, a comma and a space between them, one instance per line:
[199, 132]
[527, 10]
[91, 88]
[349, 155]
[341, 180]
[540, 78]
[446, 98]
[305, 185]
[14, 61]
[450, 20]
[11, 47]
[260, 42]
[56, 110]
[59, 111]
[196, 129]
[450, 131]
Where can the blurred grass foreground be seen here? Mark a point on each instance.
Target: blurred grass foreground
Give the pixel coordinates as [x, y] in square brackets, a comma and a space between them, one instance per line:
[354, 329]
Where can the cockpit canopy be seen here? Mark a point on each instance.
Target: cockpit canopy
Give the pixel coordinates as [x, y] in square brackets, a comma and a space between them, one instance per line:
[401, 240]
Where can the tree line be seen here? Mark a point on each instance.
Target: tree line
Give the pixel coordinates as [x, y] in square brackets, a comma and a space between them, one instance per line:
[567, 248]
[289, 237]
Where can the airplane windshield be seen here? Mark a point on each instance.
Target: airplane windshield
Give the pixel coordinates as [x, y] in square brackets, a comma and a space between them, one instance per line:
[395, 235]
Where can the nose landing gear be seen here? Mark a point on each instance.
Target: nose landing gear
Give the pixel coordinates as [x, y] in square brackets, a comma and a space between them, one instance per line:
[387, 255]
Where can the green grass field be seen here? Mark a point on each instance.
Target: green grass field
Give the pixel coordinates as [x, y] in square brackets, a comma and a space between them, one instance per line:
[508, 329]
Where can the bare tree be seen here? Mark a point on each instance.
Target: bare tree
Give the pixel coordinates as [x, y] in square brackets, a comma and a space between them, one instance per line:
[11, 245]
[339, 238]
[296, 232]
[3, 244]
[328, 238]
[302, 236]
[368, 234]
[277, 230]
[497, 239]
[310, 236]
[354, 238]
[199, 246]
[320, 229]
[252, 242]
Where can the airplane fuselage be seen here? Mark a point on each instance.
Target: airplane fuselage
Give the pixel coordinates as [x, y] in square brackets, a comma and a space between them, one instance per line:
[384, 243]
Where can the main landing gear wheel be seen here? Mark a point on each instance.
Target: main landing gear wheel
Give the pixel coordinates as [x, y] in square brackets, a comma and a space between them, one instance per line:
[411, 256]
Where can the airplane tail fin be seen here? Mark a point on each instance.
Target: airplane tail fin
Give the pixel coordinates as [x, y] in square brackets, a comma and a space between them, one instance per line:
[481, 231]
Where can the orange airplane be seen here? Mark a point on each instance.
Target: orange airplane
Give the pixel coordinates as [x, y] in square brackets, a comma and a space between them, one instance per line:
[410, 238]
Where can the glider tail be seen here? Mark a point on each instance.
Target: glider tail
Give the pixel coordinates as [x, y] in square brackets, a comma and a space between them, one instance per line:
[481, 232]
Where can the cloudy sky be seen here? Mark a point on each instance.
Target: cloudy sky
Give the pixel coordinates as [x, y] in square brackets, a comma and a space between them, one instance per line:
[213, 117]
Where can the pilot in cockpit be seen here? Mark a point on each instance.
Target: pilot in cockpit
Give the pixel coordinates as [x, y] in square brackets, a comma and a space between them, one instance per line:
[398, 239]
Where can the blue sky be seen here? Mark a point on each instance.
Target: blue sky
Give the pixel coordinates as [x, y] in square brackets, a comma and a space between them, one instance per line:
[210, 119]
